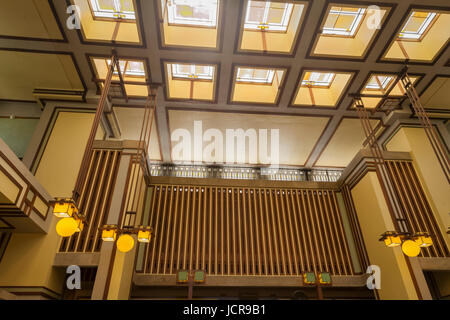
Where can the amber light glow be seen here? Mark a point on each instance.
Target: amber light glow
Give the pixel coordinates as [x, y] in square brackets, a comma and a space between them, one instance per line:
[67, 227]
[124, 236]
[125, 243]
[411, 245]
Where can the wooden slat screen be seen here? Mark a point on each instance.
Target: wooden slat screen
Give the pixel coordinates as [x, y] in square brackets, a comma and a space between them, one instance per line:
[245, 231]
[94, 201]
[416, 207]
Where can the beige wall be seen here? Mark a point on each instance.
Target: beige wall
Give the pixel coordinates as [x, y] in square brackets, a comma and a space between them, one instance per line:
[374, 219]
[61, 160]
[28, 261]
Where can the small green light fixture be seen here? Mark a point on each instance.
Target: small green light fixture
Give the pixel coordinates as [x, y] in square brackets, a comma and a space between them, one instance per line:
[182, 276]
[309, 278]
[325, 278]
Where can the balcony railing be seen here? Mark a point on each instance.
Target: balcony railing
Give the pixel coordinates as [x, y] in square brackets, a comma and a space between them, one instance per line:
[244, 173]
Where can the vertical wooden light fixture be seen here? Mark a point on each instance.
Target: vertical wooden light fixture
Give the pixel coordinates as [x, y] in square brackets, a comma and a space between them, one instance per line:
[127, 221]
[400, 223]
[438, 148]
[71, 209]
[403, 228]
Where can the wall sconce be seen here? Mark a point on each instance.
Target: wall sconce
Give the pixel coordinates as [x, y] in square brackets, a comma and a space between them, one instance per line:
[64, 208]
[125, 241]
[423, 239]
[391, 239]
[109, 233]
[411, 245]
[71, 220]
[144, 234]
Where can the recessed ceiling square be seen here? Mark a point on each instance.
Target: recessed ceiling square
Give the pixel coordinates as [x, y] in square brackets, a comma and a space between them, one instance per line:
[383, 85]
[190, 81]
[190, 23]
[422, 36]
[255, 84]
[108, 20]
[319, 88]
[271, 26]
[348, 31]
[134, 73]
[23, 19]
[23, 72]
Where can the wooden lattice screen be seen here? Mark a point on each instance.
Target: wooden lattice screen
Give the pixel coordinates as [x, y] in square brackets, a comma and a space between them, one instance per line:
[245, 231]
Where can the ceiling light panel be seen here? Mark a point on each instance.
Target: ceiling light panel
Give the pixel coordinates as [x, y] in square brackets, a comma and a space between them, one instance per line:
[113, 9]
[253, 75]
[267, 15]
[342, 21]
[417, 25]
[192, 12]
[192, 71]
[318, 79]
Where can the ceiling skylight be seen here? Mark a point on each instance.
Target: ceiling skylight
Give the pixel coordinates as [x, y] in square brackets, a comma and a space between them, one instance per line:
[318, 79]
[191, 71]
[417, 24]
[272, 16]
[191, 12]
[113, 9]
[379, 82]
[253, 75]
[343, 21]
[130, 68]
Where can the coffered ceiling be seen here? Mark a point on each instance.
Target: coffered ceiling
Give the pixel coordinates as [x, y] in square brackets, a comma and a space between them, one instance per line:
[318, 127]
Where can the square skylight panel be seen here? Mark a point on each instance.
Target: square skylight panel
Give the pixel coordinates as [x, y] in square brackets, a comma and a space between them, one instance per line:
[191, 71]
[130, 68]
[113, 9]
[417, 25]
[343, 21]
[253, 75]
[318, 79]
[202, 13]
[377, 82]
[267, 15]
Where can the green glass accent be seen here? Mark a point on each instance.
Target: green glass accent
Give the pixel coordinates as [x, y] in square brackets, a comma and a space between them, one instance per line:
[310, 277]
[199, 276]
[182, 276]
[326, 277]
